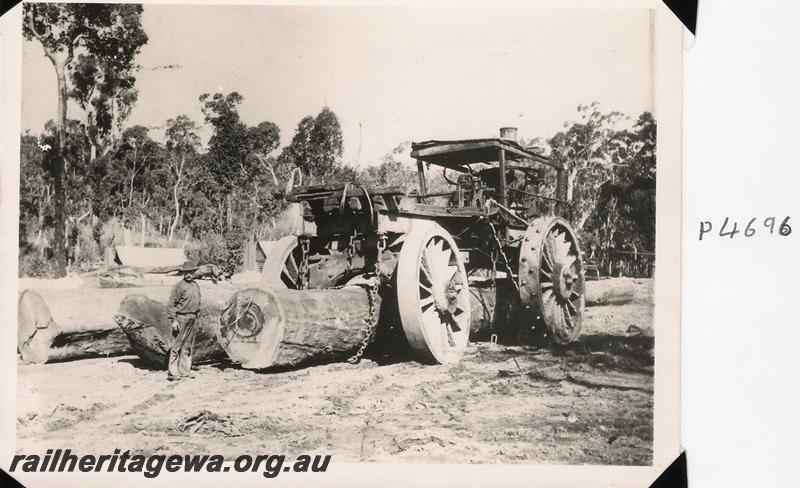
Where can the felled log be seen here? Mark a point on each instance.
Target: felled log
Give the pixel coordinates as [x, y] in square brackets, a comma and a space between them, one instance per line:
[69, 324]
[286, 328]
[149, 331]
[619, 381]
[58, 325]
[618, 291]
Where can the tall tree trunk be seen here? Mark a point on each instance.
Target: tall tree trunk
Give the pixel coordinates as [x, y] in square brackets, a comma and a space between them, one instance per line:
[177, 213]
[177, 200]
[43, 197]
[133, 175]
[93, 143]
[144, 229]
[57, 165]
[229, 215]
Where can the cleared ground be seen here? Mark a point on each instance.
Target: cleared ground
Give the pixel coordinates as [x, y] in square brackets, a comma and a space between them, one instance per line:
[591, 402]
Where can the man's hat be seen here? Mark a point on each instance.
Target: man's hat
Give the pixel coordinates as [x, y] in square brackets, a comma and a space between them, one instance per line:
[187, 266]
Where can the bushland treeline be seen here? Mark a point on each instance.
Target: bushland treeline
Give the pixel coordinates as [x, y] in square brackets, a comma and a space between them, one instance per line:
[93, 181]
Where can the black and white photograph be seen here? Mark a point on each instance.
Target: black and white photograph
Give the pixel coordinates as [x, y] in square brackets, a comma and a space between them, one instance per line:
[369, 234]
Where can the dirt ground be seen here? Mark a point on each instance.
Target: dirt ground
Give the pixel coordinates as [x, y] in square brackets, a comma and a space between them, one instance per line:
[589, 403]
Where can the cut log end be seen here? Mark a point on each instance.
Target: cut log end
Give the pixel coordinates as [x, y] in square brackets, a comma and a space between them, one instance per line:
[251, 328]
[35, 328]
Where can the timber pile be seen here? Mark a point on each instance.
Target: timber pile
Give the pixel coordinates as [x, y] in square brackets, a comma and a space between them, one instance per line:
[144, 321]
[287, 328]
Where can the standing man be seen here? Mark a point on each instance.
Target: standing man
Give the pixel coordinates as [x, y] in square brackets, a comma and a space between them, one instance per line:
[184, 303]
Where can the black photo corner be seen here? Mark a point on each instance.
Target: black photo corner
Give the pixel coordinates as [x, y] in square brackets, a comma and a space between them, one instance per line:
[686, 11]
[8, 481]
[675, 476]
[6, 5]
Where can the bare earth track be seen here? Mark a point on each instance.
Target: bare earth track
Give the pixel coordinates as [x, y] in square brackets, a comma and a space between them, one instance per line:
[589, 403]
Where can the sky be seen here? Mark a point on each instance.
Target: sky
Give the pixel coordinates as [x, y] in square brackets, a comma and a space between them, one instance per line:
[391, 74]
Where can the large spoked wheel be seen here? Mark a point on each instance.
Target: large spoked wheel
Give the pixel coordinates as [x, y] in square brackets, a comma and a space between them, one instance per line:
[282, 265]
[551, 278]
[433, 295]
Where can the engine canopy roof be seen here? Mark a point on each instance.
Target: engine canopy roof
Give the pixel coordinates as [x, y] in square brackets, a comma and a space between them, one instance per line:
[459, 153]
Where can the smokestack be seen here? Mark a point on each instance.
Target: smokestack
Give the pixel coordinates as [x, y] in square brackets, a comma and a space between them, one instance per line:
[508, 133]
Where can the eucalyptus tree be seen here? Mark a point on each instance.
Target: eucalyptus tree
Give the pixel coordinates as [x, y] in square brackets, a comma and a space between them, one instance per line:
[109, 34]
